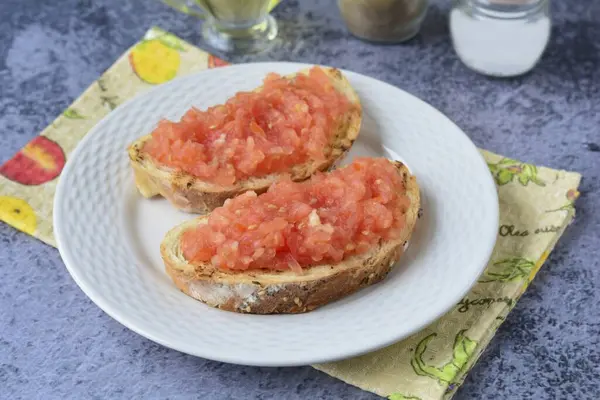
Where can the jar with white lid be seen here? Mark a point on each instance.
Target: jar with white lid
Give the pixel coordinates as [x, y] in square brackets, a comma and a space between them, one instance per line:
[500, 38]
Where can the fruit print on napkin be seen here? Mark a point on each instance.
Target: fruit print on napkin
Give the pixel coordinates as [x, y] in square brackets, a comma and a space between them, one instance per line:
[18, 213]
[156, 59]
[40, 161]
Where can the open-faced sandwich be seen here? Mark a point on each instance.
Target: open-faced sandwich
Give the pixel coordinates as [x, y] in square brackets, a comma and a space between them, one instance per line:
[294, 125]
[299, 245]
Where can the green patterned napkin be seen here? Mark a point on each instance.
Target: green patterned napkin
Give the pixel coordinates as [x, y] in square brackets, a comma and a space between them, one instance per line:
[536, 205]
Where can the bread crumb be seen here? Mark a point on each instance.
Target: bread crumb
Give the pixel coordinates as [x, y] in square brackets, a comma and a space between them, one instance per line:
[272, 289]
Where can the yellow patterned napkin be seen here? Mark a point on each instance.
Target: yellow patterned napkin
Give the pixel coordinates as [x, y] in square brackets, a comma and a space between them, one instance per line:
[536, 205]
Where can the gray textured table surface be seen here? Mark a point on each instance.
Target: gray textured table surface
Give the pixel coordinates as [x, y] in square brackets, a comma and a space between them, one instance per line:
[54, 343]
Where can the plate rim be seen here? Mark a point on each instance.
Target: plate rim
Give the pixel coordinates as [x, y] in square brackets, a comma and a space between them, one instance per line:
[122, 318]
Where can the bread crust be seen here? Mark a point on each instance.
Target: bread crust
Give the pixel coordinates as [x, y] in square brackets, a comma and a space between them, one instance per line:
[189, 193]
[272, 292]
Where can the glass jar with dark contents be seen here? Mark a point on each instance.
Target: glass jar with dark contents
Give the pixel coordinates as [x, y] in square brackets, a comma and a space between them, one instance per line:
[391, 21]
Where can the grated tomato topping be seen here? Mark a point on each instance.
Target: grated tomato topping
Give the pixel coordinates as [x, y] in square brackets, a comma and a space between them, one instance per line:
[297, 225]
[287, 122]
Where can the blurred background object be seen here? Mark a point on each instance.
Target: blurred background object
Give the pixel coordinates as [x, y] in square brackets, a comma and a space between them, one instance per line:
[390, 21]
[500, 37]
[233, 26]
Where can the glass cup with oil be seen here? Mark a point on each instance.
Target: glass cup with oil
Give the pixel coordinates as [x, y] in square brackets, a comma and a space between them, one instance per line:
[233, 26]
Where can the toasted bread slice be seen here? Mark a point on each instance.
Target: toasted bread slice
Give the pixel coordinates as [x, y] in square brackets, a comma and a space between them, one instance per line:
[191, 194]
[269, 292]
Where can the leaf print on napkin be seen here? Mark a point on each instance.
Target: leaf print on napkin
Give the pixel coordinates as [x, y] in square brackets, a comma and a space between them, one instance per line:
[400, 396]
[508, 270]
[462, 350]
[166, 37]
[507, 169]
[72, 113]
[111, 102]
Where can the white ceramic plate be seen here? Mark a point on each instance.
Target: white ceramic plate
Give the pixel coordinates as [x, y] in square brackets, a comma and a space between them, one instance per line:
[109, 236]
